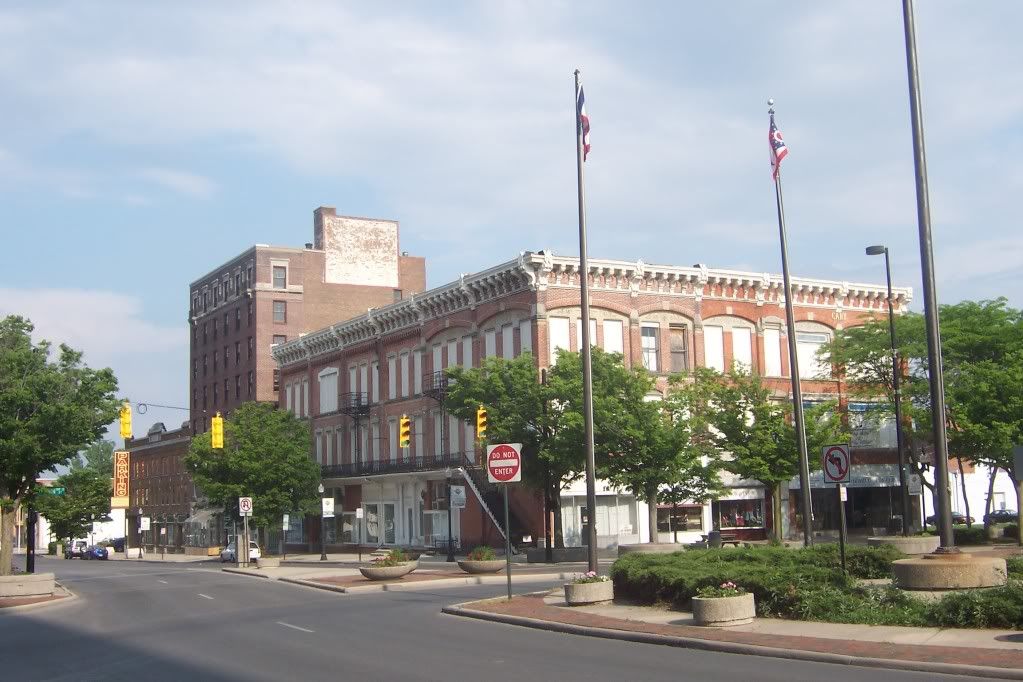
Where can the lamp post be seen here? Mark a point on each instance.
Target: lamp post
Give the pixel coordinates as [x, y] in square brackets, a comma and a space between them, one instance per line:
[877, 250]
[323, 526]
[451, 546]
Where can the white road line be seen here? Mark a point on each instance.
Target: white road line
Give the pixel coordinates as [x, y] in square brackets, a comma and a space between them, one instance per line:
[294, 627]
[205, 596]
[163, 581]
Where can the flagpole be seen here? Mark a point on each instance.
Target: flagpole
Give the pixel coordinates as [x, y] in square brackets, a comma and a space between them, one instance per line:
[584, 292]
[797, 392]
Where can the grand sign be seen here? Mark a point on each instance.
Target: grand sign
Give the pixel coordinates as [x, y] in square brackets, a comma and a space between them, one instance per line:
[122, 472]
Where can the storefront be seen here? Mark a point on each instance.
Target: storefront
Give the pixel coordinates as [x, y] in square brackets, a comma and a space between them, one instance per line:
[873, 505]
[742, 511]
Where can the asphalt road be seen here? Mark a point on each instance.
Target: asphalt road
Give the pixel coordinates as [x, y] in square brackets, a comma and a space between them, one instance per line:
[145, 622]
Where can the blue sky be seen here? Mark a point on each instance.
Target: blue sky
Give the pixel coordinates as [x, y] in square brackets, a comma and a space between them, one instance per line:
[143, 144]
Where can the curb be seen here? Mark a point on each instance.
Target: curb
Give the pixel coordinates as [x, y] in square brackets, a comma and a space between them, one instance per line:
[426, 584]
[68, 597]
[735, 648]
[248, 572]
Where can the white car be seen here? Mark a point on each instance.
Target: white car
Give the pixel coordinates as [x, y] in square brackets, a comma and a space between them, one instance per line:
[229, 553]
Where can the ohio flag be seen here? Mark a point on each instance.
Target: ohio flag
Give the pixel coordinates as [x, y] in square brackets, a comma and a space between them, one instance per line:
[583, 122]
[778, 149]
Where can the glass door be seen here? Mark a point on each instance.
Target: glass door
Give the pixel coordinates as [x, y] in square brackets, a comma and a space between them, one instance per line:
[372, 524]
[389, 537]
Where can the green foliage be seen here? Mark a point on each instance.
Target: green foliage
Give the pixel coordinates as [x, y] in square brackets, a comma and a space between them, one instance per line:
[86, 499]
[99, 457]
[1011, 530]
[1014, 565]
[481, 553]
[51, 548]
[53, 405]
[967, 535]
[265, 456]
[393, 558]
[860, 605]
[998, 607]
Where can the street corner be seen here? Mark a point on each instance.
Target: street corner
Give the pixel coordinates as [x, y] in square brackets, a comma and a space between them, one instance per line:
[61, 595]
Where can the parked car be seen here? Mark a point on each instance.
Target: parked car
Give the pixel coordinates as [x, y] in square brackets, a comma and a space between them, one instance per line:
[95, 552]
[1001, 516]
[75, 549]
[229, 553]
[957, 520]
[117, 544]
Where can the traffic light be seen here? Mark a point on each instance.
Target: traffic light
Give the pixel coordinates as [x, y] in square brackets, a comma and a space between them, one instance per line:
[404, 431]
[125, 420]
[481, 423]
[217, 431]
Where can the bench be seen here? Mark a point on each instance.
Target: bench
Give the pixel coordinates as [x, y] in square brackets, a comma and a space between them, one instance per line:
[730, 539]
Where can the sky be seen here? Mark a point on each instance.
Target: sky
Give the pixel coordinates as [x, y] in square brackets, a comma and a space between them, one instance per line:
[144, 143]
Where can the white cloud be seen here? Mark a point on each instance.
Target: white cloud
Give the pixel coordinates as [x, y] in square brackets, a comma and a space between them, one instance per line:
[179, 181]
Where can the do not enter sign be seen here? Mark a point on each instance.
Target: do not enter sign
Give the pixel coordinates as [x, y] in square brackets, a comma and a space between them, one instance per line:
[504, 463]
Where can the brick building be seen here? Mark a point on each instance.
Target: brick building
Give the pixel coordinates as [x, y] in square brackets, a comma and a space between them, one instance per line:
[264, 297]
[161, 488]
[354, 379]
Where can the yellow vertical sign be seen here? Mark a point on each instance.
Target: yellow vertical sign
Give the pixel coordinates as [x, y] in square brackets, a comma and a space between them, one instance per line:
[122, 472]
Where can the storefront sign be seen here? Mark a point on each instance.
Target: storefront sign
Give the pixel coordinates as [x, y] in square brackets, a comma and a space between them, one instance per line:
[121, 477]
[458, 496]
[144, 524]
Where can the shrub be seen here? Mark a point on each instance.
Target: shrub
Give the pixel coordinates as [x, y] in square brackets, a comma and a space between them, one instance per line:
[1014, 565]
[393, 558]
[481, 553]
[887, 606]
[999, 607]
[1011, 530]
[861, 562]
[51, 548]
[967, 535]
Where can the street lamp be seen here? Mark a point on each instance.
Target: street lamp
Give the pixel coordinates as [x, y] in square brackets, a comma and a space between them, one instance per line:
[878, 250]
[451, 547]
[323, 525]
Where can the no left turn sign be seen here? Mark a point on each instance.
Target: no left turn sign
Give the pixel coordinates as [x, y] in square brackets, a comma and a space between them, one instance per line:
[836, 463]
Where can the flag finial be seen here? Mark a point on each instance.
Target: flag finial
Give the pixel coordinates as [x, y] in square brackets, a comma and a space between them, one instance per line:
[770, 103]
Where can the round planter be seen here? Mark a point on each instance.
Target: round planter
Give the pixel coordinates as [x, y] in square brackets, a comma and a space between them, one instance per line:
[487, 566]
[724, 611]
[589, 593]
[388, 572]
[912, 544]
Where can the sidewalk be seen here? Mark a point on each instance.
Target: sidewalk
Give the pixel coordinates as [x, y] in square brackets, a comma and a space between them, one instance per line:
[980, 653]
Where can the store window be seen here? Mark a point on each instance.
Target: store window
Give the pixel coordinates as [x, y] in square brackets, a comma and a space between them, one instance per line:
[738, 514]
[682, 518]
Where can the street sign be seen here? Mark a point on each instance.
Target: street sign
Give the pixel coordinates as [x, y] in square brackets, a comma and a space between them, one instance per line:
[915, 486]
[843, 493]
[359, 513]
[245, 506]
[285, 524]
[835, 462]
[504, 462]
[458, 496]
[58, 490]
[143, 523]
[328, 507]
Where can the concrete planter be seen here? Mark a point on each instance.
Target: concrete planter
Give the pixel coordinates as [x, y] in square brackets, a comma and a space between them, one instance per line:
[486, 566]
[269, 562]
[724, 611]
[912, 544]
[651, 548]
[26, 585]
[589, 593]
[388, 572]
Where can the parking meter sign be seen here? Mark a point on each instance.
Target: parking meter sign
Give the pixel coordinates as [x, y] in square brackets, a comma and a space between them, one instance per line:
[504, 463]
[245, 506]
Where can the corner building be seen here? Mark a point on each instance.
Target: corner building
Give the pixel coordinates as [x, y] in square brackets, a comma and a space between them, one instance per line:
[237, 312]
[366, 372]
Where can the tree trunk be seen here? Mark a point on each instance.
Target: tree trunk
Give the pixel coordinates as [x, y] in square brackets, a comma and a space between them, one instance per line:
[671, 521]
[554, 497]
[776, 512]
[962, 483]
[6, 538]
[989, 501]
[651, 505]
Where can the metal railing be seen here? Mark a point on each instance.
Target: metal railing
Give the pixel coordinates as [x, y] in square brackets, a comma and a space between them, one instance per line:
[395, 466]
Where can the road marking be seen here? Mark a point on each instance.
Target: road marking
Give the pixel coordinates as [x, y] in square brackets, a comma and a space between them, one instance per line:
[163, 581]
[294, 627]
[205, 596]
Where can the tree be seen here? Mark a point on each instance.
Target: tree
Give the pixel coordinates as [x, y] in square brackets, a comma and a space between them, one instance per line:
[659, 446]
[50, 408]
[86, 499]
[546, 416]
[758, 436]
[265, 456]
[982, 355]
[98, 457]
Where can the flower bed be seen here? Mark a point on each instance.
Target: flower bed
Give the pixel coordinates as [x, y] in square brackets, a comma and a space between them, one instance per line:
[394, 565]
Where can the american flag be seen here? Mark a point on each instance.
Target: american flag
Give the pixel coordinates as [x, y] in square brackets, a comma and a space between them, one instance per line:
[583, 122]
[778, 149]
